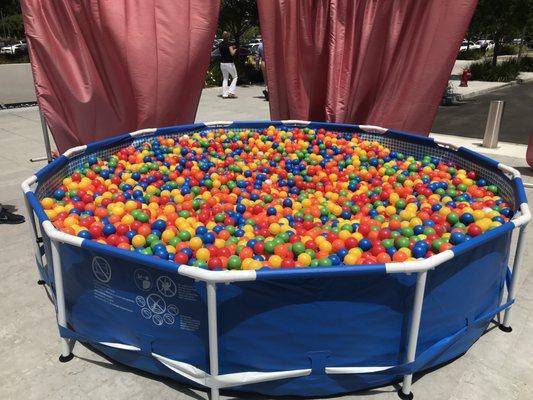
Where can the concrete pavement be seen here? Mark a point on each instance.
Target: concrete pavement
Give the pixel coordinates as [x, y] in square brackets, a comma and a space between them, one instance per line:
[16, 84]
[250, 105]
[499, 366]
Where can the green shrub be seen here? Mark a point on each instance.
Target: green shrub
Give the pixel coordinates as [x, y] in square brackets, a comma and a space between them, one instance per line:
[214, 76]
[470, 54]
[508, 50]
[14, 58]
[505, 71]
[526, 64]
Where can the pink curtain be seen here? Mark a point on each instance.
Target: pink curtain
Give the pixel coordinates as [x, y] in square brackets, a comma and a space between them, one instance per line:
[111, 66]
[373, 62]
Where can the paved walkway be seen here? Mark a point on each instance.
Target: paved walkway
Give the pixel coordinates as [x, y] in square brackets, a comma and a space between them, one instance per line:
[499, 366]
[250, 105]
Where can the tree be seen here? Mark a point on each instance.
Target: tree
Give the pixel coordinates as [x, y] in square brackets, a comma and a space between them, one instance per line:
[499, 19]
[238, 17]
[11, 19]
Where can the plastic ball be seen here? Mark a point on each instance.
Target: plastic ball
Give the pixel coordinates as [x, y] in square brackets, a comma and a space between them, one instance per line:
[138, 241]
[249, 199]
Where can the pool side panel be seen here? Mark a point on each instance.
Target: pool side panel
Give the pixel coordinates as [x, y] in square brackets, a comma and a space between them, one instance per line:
[117, 300]
[359, 321]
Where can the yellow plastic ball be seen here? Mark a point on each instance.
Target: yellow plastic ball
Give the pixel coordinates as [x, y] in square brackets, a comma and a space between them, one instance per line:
[202, 254]
[138, 241]
[304, 258]
[195, 243]
[275, 261]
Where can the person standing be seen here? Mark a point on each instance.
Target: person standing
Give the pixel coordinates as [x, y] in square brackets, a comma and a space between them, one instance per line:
[260, 59]
[227, 67]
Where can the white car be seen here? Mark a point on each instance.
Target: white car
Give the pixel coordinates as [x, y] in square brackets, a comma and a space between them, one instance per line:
[253, 47]
[468, 45]
[485, 44]
[16, 48]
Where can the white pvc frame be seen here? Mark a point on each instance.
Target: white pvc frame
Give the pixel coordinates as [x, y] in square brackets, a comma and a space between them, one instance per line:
[213, 380]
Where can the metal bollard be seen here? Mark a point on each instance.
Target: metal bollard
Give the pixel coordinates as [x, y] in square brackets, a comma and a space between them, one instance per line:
[494, 120]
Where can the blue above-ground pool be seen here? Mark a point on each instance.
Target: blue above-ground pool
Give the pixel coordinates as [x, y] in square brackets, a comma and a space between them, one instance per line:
[305, 332]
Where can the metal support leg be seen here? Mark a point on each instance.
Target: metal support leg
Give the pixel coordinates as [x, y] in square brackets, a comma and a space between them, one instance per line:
[66, 344]
[505, 326]
[34, 235]
[405, 391]
[46, 139]
[213, 335]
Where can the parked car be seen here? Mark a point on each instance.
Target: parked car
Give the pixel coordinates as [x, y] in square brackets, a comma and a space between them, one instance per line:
[468, 45]
[253, 47]
[255, 41]
[517, 41]
[17, 48]
[485, 44]
[216, 42]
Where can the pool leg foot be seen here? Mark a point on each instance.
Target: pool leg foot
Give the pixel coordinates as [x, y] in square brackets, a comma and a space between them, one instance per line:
[506, 329]
[40, 282]
[65, 359]
[404, 396]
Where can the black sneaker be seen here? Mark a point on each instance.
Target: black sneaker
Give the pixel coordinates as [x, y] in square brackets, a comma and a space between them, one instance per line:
[265, 93]
[7, 217]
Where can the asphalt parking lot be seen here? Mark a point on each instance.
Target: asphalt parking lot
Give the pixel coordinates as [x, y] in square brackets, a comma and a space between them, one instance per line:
[469, 117]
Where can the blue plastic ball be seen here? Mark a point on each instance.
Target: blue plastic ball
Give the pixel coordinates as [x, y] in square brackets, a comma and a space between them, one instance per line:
[342, 253]
[201, 230]
[109, 229]
[209, 238]
[159, 225]
[457, 237]
[84, 234]
[187, 251]
[365, 244]
[467, 218]
[418, 229]
[419, 251]
[59, 194]
[334, 259]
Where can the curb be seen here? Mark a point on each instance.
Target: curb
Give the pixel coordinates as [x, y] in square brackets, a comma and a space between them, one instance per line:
[480, 92]
[471, 95]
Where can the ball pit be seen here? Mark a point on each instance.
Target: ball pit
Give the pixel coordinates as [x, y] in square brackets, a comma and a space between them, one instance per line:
[326, 234]
[223, 199]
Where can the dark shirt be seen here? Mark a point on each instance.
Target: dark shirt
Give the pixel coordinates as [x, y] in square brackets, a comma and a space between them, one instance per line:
[225, 55]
